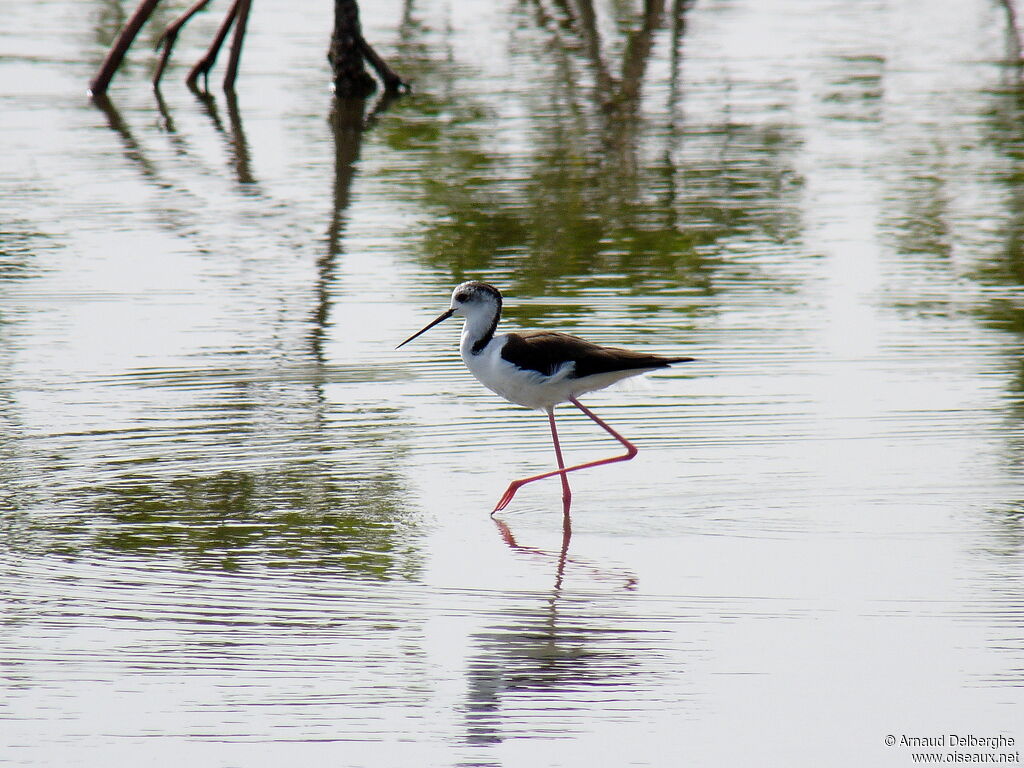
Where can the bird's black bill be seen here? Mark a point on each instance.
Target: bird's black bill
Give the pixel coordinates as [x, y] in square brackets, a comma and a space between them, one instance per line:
[439, 319]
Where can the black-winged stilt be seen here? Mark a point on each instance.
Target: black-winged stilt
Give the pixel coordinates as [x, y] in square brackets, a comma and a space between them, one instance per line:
[539, 370]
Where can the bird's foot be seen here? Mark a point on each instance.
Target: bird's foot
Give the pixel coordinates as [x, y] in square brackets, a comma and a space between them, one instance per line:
[506, 497]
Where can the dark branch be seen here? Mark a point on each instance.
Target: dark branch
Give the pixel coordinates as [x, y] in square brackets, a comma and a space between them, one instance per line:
[241, 19]
[114, 57]
[170, 35]
[392, 82]
[351, 80]
[205, 64]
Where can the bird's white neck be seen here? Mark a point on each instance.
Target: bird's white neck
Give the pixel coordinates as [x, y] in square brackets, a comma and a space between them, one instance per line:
[479, 328]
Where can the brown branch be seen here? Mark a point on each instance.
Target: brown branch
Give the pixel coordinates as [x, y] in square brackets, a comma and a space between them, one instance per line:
[392, 82]
[241, 19]
[351, 80]
[638, 51]
[115, 55]
[205, 64]
[170, 35]
[1014, 29]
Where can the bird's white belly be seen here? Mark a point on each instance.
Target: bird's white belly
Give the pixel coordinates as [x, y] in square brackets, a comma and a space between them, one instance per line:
[529, 389]
[532, 389]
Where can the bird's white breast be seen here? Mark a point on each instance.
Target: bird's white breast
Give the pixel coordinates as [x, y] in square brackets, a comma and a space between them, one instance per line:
[530, 389]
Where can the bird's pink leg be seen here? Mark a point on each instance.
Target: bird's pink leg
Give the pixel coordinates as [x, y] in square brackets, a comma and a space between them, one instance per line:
[566, 493]
[631, 451]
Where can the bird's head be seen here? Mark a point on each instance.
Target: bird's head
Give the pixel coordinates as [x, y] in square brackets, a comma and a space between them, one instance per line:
[472, 297]
[470, 300]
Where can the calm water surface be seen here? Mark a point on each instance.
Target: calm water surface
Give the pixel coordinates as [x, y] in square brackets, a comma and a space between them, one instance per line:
[239, 529]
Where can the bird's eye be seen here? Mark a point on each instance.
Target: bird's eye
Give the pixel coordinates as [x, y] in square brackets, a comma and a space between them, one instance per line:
[462, 296]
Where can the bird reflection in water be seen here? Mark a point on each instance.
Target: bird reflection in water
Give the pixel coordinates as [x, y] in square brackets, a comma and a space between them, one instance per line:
[550, 648]
[627, 579]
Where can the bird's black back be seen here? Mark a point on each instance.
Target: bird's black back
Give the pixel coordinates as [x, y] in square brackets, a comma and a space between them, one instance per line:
[546, 351]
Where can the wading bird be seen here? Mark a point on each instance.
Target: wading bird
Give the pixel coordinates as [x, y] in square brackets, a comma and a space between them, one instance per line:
[539, 370]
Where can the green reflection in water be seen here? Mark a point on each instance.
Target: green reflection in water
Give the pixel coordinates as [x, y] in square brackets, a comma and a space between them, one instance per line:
[262, 474]
[16, 252]
[1003, 123]
[957, 211]
[1001, 268]
[300, 517]
[288, 519]
[590, 179]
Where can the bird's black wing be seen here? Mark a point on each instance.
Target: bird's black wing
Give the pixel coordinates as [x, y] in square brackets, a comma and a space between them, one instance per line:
[546, 351]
